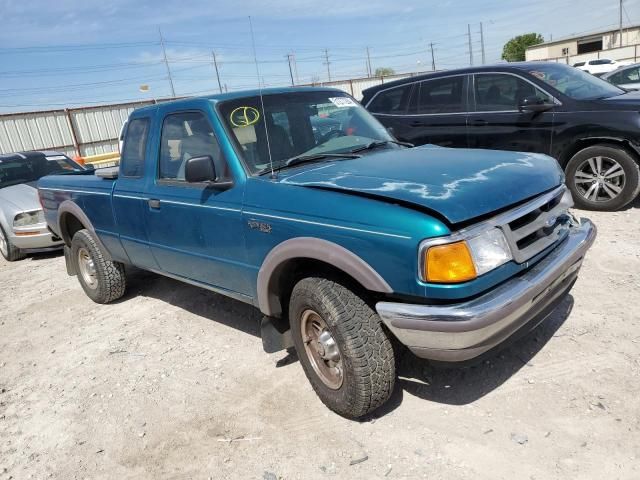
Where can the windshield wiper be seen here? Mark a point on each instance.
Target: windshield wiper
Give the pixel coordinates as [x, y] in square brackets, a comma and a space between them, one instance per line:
[297, 160]
[380, 143]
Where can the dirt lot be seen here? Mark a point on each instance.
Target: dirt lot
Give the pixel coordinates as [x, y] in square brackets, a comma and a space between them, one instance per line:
[171, 382]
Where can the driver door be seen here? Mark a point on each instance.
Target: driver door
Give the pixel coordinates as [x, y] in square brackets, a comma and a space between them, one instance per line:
[195, 229]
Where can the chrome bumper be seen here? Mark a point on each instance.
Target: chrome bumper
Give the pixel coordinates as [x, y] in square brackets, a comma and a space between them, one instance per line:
[465, 330]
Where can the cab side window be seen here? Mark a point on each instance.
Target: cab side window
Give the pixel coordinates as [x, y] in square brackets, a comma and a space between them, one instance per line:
[187, 135]
[135, 146]
[393, 101]
[442, 95]
[499, 92]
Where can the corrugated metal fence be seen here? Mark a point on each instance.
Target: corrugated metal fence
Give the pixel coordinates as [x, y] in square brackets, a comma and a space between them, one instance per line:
[73, 131]
[90, 131]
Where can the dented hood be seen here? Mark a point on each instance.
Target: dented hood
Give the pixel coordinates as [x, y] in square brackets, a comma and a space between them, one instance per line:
[459, 184]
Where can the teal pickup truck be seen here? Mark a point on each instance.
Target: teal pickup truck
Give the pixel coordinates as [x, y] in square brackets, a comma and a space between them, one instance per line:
[350, 243]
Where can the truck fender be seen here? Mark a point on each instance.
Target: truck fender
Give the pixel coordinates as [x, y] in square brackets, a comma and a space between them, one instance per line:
[315, 249]
[70, 208]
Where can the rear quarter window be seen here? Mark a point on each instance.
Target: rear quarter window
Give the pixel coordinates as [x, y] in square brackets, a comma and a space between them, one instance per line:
[394, 100]
[135, 146]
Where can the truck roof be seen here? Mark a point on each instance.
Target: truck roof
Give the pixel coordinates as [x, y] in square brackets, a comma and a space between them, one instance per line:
[249, 93]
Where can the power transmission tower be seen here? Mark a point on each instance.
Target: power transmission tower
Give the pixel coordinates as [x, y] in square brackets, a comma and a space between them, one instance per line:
[482, 43]
[326, 62]
[215, 64]
[470, 46]
[166, 62]
[290, 69]
[368, 63]
[433, 58]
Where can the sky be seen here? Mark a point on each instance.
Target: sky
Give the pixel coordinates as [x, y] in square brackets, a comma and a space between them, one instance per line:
[64, 53]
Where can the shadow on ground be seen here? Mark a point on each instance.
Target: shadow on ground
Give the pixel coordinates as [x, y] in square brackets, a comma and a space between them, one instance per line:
[448, 384]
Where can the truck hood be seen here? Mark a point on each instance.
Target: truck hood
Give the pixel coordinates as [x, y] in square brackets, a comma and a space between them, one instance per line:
[459, 184]
[24, 196]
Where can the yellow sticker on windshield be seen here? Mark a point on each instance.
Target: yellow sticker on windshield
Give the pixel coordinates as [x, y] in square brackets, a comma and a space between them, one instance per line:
[244, 116]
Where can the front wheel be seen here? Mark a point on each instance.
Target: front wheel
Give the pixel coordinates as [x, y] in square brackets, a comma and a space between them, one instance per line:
[102, 280]
[603, 177]
[9, 251]
[344, 350]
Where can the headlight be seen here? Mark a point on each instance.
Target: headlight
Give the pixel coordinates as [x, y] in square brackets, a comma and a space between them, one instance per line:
[28, 218]
[467, 259]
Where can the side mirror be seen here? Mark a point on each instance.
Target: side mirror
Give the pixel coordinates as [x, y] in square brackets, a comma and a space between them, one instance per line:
[534, 104]
[89, 166]
[200, 169]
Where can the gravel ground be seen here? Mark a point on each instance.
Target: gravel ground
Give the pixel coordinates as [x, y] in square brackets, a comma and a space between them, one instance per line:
[172, 382]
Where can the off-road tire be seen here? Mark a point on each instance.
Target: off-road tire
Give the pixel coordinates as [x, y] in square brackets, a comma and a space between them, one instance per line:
[12, 253]
[369, 368]
[111, 279]
[627, 162]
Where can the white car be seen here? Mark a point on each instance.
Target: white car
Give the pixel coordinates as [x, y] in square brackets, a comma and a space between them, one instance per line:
[599, 66]
[627, 77]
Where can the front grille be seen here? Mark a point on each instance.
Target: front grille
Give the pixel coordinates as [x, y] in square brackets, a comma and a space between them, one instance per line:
[537, 226]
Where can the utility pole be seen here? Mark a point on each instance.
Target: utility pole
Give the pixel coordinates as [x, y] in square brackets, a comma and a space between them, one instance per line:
[368, 63]
[482, 43]
[470, 46]
[295, 67]
[326, 61]
[620, 23]
[166, 63]
[433, 58]
[215, 64]
[290, 69]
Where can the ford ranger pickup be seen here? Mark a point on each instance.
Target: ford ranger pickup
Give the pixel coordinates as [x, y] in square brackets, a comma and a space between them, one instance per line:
[351, 244]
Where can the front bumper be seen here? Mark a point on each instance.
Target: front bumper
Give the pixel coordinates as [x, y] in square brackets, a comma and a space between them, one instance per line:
[35, 239]
[465, 330]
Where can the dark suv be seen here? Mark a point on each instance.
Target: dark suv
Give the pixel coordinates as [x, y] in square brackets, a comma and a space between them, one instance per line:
[590, 126]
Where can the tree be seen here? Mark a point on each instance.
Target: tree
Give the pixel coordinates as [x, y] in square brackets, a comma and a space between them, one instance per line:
[513, 50]
[384, 72]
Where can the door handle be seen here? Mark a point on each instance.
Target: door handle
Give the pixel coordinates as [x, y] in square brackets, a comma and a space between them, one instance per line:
[479, 123]
[154, 203]
[417, 123]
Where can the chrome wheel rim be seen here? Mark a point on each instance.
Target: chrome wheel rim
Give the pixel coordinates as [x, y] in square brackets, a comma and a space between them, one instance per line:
[4, 248]
[321, 349]
[599, 179]
[87, 269]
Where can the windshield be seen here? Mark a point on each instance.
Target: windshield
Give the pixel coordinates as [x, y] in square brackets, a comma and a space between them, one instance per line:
[16, 169]
[573, 82]
[298, 123]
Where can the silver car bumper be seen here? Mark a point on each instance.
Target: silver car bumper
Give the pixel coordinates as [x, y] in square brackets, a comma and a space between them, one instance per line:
[465, 330]
[35, 238]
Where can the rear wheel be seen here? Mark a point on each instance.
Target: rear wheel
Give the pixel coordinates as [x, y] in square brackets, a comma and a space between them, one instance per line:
[344, 350]
[603, 177]
[9, 251]
[102, 280]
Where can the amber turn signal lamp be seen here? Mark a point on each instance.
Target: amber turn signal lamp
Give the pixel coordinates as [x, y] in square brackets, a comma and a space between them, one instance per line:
[449, 263]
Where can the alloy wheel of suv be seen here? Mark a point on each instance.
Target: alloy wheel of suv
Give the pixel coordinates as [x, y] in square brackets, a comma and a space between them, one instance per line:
[603, 177]
[600, 179]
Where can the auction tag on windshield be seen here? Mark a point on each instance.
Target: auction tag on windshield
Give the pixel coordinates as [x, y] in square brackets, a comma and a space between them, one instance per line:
[343, 102]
